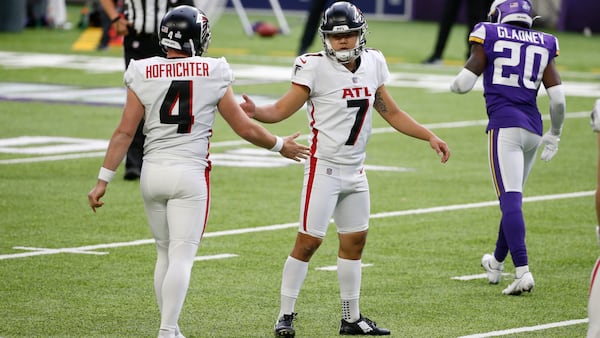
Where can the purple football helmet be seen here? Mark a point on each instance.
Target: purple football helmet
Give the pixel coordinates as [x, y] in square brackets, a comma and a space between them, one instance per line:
[503, 11]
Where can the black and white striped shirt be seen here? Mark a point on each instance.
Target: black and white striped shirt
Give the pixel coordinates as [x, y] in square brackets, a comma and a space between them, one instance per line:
[145, 15]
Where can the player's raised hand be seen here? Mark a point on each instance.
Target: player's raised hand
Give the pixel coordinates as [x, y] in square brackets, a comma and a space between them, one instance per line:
[293, 150]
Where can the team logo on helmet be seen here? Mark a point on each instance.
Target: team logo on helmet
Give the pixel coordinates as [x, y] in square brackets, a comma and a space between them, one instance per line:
[516, 11]
[185, 28]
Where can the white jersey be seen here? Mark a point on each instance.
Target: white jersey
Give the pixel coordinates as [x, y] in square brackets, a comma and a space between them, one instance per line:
[340, 105]
[175, 128]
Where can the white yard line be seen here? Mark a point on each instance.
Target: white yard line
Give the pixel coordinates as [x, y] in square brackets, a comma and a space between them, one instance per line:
[527, 329]
[477, 276]
[334, 267]
[89, 249]
[212, 257]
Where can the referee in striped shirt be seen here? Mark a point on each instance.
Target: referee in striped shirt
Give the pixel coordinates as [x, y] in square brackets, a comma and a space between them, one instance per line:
[137, 21]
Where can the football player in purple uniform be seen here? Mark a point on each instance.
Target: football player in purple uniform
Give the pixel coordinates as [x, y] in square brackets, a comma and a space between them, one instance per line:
[514, 60]
[340, 86]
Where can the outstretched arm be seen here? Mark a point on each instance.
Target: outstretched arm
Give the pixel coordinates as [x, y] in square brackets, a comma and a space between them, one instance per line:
[404, 123]
[283, 108]
[257, 134]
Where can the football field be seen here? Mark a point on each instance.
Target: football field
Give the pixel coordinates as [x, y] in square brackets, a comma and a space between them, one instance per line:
[67, 272]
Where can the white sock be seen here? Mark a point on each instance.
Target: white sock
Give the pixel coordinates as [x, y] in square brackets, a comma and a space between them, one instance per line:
[166, 333]
[494, 264]
[294, 273]
[350, 310]
[521, 270]
[176, 282]
[349, 277]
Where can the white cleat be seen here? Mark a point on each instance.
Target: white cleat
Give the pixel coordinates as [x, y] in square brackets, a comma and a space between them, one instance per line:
[167, 334]
[520, 285]
[492, 267]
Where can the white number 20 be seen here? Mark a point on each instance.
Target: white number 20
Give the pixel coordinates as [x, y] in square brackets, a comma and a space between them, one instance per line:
[531, 77]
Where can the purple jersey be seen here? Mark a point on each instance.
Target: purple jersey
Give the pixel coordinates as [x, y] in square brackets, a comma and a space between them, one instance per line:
[516, 60]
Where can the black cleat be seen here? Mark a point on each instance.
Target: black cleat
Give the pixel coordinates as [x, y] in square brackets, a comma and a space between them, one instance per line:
[284, 326]
[362, 327]
[432, 61]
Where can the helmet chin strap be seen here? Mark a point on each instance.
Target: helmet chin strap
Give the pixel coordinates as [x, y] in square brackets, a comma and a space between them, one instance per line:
[192, 48]
[345, 56]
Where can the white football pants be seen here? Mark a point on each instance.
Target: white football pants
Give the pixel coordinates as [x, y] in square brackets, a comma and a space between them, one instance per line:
[176, 199]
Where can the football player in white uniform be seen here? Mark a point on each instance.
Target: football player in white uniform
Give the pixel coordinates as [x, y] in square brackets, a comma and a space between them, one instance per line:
[340, 87]
[594, 300]
[178, 97]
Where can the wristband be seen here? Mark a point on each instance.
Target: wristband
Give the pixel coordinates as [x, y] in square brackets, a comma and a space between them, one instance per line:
[106, 174]
[115, 20]
[278, 144]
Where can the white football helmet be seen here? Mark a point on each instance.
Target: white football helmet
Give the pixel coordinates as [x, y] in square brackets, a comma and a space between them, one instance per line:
[343, 17]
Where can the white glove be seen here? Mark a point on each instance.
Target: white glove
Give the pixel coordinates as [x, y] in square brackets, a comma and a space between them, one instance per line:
[595, 117]
[550, 142]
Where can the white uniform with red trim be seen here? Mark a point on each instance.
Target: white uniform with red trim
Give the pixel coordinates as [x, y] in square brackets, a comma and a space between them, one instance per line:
[340, 110]
[179, 98]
